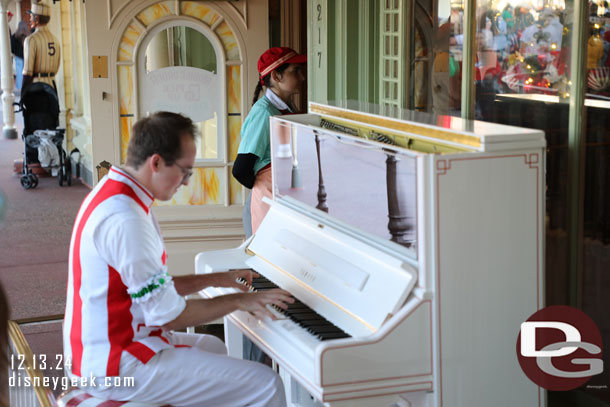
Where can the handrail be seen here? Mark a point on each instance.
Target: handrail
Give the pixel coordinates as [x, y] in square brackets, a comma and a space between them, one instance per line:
[43, 393]
[37, 320]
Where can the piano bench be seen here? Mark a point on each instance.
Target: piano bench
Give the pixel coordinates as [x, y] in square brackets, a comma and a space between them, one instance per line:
[79, 398]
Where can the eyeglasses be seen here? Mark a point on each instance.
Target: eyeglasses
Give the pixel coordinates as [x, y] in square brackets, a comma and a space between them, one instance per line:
[188, 173]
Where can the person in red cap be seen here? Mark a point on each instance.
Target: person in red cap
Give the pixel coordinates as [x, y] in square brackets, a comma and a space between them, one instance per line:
[281, 74]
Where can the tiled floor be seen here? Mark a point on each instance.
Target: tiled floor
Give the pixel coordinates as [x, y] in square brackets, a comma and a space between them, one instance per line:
[34, 242]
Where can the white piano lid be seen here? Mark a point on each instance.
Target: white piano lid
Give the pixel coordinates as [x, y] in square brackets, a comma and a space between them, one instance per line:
[449, 130]
[354, 284]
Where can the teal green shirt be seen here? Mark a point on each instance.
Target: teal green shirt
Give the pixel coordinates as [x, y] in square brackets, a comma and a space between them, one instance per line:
[255, 134]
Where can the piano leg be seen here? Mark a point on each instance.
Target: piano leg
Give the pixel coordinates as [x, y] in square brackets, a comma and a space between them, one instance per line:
[296, 395]
[234, 339]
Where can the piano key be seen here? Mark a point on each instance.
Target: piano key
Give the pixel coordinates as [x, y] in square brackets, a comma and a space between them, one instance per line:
[300, 313]
[323, 328]
[263, 287]
[307, 319]
[338, 335]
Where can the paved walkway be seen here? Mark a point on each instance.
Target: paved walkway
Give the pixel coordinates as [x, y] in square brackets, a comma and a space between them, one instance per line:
[34, 243]
[35, 238]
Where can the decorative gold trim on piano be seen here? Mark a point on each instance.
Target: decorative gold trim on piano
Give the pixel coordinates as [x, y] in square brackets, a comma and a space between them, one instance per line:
[473, 141]
[413, 143]
[356, 317]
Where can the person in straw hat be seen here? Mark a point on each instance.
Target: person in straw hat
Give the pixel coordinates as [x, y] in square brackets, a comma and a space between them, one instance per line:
[41, 50]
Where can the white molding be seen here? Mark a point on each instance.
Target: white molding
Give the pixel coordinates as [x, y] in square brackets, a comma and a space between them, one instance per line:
[85, 102]
[364, 54]
[189, 230]
[196, 213]
[195, 222]
[138, 23]
[341, 49]
[243, 16]
[217, 23]
[81, 139]
[112, 16]
[407, 32]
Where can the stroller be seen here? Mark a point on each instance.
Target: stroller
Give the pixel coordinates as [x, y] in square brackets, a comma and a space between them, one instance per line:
[40, 107]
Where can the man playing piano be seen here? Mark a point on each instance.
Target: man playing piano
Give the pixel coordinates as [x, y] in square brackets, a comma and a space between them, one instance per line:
[122, 304]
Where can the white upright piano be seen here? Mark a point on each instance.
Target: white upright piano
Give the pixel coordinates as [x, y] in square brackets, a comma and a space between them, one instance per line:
[415, 250]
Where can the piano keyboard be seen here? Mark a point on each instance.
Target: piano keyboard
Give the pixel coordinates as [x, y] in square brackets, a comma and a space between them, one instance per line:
[300, 313]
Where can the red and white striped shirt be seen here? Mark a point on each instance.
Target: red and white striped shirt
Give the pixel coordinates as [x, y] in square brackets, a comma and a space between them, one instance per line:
[119, 292]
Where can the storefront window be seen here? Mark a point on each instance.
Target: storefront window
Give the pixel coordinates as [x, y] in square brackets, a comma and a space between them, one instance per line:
[522, 79]
[446, 72]
[596, 200]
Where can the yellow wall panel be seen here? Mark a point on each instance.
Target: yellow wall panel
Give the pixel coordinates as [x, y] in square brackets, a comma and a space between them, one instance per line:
[229, 41]
[235, 189]
[234, 88]
[205, 187]
[126, 123]
[199, 11]
[234, 131]
[156, 11]
[125, 74]
[128, 42]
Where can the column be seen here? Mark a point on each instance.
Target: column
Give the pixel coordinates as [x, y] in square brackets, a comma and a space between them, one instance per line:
[8, 114]
[18, 10]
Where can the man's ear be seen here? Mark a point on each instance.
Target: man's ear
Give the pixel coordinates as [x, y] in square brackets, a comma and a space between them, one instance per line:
[155, 161]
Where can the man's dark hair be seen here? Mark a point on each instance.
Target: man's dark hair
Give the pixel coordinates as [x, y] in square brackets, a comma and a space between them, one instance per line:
[160, 133]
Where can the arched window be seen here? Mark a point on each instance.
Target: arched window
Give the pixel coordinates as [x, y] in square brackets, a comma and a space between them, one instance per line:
[180, 70]
[185, 57]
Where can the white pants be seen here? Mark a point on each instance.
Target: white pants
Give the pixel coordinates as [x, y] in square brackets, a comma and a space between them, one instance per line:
[200, 376]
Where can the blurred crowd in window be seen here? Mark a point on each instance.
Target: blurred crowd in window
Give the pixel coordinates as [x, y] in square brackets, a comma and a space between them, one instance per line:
[519, 49]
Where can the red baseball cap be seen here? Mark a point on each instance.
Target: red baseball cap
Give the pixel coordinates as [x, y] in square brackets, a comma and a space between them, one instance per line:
[275, 57]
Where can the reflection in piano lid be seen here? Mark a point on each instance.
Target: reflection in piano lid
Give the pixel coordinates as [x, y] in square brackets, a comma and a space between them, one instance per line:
[352, 179]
